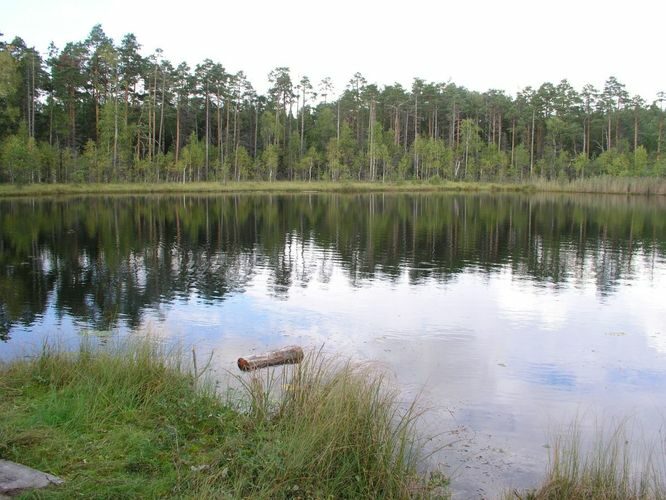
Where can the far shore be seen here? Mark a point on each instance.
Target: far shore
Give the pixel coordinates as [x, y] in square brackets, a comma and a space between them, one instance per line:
[601, 185]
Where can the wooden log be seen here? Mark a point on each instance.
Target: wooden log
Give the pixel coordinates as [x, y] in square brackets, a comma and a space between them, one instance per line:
[286, 355]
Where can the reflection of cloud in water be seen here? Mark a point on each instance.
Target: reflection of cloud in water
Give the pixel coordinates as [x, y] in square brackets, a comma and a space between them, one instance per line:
[650, 298]
[644, 379]
[521, 301]
[657, 341]
[551, 375]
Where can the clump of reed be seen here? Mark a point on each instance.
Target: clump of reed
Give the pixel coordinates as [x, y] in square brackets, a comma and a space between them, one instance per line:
[608, 470]
[606, 184]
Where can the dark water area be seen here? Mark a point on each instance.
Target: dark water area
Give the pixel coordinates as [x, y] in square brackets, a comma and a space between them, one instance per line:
[508, 315]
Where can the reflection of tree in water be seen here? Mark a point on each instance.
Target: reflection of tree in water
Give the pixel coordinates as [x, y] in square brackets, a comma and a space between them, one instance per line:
[25, 283]
[102, 260]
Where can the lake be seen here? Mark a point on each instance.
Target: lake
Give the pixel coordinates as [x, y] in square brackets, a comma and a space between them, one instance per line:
[510, 316]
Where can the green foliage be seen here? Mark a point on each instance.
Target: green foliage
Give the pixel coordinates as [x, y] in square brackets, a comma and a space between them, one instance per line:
[470, 147]
[91, 166]
[493, 163]
[613, 162]
[137, 108]
[270, 161]
[9, 84]
[334, 159]
[581, 165]
[243, 163]
[192, 158]
[20, 158]
[640, 164]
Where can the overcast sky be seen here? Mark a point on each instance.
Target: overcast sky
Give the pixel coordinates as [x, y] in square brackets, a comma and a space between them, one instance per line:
[503, 44]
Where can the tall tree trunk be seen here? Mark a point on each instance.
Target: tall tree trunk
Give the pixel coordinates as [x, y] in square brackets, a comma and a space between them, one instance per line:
[160, 141]
[72, 121]
[256, 129]
[207, 133]
[416, 133]
[513, 144]
[660, 135]
[371, 146]
[236, 137]
[51, 118]
[32, 98]
[636, 130]
[406, 128]
[303, 121]
[126, 103]
[585, 136]
[466, 154]
[452, 129]
[236, 147]
[338, 124]
[114, 163]
[532, 144]
[220, 151]
[177, 131]
[436, 133]
[153, 116]
[96, 99]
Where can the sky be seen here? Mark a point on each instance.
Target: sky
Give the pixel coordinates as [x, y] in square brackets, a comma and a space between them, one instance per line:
[506, 44]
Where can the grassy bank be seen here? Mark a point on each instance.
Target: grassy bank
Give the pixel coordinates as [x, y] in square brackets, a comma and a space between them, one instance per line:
[602, 185]
[134, 422]
[252, 186]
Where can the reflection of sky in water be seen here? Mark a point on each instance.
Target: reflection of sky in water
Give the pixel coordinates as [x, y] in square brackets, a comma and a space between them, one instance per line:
[500, 357]
[504, 358]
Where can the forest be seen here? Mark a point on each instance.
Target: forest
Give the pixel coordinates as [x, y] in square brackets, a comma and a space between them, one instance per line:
[97, 111]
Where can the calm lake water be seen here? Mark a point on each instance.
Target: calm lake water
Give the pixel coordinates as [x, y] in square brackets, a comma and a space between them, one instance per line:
[510, 316]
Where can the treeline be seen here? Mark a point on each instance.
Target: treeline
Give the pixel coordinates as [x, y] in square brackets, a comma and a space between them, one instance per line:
[100, 111]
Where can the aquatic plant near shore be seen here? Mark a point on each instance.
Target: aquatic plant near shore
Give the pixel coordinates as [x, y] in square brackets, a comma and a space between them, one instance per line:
[610, 470]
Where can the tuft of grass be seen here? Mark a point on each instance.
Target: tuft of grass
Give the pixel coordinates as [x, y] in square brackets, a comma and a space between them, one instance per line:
[133, 420]
[336, 431]
[608, 471]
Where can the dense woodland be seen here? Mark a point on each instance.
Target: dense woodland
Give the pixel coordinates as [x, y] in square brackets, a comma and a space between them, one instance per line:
[101, 111]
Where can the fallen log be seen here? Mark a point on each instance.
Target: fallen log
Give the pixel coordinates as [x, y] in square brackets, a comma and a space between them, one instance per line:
[287, 355]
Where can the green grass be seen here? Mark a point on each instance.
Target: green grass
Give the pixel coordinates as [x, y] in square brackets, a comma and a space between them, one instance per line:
[608, 471]
[250, 186]
[603, 184]
[133, 421]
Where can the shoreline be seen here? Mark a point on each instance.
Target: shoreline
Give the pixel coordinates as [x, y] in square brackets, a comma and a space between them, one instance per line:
[138, 419]
[598, 185]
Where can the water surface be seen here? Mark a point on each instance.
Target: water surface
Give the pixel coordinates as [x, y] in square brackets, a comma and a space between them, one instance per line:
[509, 315]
